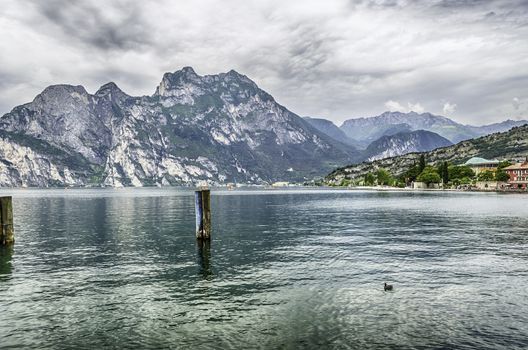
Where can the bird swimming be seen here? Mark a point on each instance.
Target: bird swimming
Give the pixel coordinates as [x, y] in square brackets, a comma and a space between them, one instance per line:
[387, 287]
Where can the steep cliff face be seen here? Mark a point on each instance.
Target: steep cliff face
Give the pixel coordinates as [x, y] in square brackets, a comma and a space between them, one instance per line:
[194, 128]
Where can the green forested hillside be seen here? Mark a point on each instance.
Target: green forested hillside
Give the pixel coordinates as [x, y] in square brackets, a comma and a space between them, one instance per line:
[512, 145]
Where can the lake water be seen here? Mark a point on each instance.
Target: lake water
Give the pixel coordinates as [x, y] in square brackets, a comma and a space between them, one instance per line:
[96, 269]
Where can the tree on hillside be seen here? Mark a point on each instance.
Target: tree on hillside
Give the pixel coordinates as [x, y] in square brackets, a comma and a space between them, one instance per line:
[503, 164]
[384, 177]
[345, 182]
[443, 171]
[369, 179]
[486, 175]
[411, 174]
[421, 164]
[429, 175]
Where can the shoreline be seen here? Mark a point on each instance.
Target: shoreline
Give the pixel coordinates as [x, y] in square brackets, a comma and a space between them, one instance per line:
[399, 189]
[261, 188]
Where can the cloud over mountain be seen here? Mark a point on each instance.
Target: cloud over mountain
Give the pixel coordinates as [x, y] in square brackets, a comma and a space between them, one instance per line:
[337, 58]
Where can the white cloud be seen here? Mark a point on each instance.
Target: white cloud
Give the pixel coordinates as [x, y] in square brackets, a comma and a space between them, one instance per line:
[416, 107]
[449, 108]
[395, 106]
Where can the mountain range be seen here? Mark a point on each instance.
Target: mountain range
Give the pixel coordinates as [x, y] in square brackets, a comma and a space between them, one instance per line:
[394, 133]
[370, 129]
[214, 128]
[361, 132]
[510, 145]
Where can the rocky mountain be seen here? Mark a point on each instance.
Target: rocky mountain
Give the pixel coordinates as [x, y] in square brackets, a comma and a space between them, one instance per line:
[389, 141]
[389, 123]
[404, 142]
[215, 128]
[329, 128]
[512, 144]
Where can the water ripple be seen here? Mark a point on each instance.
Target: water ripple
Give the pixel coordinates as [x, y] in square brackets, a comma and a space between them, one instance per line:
[286, 269]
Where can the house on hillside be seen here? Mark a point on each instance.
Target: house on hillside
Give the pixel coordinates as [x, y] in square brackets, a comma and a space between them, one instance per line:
[479, 165]
[518, 175]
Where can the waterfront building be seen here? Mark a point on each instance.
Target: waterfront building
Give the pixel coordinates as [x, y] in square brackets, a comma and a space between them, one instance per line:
[518, 175]
[479, 165]
[418, 185]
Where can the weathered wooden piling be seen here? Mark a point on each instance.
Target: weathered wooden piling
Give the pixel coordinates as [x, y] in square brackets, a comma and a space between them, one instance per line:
[7, 235]
[203, 214]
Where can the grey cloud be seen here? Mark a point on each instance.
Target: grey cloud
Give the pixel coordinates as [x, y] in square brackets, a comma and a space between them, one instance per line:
[461, 3]
[337, 58]
[91, 24]
[9, 79]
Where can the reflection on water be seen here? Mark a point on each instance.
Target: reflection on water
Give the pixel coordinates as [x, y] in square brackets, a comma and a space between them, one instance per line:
[285, 269]
[6, 255]
[203, 248]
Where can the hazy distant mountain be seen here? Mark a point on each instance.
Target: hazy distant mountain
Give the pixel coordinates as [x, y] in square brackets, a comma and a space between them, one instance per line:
[388, 142]
[218, 128]
[497, 127]
[370, 129]
[511, 144]
[329, 128]
[394, 133]
[404, 142]
[386, 130]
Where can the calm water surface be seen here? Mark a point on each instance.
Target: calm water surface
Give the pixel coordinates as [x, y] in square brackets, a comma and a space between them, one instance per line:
[286, 269]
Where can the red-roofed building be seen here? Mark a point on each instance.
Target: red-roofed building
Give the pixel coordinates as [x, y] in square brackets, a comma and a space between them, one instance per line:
[518, 175]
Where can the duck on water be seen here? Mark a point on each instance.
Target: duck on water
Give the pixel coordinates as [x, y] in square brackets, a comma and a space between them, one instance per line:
[387, 287]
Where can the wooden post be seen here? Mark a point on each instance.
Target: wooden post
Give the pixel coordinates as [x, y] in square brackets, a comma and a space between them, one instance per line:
[7, 235]
[203, 214]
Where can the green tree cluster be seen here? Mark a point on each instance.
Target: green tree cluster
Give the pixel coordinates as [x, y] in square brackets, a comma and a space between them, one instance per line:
[345, 182]
[380, 177]
[503, 164]
[384, 178]
[486, 175]
[442, 172]
[411, 174]
[457, 172]
[501, 175]
[429, 175]
[369, 179]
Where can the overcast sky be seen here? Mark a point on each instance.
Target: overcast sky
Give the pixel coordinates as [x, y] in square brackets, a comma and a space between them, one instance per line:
[338, 59]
